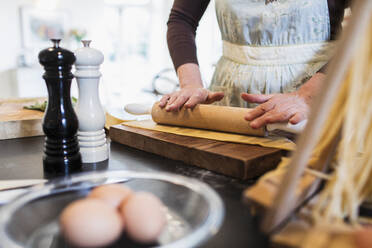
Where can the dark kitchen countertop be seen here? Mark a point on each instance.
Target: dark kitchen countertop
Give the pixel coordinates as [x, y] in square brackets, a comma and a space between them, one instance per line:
[22, 159]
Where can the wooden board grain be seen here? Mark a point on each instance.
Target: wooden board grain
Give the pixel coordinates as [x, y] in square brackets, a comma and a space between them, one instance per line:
[300, 231]
[298, 234]
[231, 159]
[17, 122]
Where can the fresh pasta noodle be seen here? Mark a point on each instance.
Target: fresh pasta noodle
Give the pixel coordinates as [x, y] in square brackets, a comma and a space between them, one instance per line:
[351, 182]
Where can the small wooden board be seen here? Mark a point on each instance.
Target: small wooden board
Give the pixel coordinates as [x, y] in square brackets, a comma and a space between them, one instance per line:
[298, 234]
[231, 159]
[300, 231]
[16, 122]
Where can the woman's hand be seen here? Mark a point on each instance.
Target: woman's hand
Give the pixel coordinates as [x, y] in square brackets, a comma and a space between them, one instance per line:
[189, 97]
[275, 108]
[192, 91]
[293, 107]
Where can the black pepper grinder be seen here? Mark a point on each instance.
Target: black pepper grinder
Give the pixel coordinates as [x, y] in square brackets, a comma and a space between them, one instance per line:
[60, 124]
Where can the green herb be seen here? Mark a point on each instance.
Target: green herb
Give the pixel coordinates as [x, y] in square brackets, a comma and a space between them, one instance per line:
[42, 106]
[74, 101]
[37, 106]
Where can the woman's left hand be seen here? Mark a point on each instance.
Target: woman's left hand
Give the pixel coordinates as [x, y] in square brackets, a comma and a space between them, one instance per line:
[275, 108]
[291, 107]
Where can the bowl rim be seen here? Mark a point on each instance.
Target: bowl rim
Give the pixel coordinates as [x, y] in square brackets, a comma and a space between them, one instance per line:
[196, 237]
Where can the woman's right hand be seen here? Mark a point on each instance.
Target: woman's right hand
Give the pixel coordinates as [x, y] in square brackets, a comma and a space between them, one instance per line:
[189, 97]
[192, 91]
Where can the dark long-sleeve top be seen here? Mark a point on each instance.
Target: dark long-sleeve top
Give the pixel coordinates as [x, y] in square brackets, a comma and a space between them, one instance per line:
[186, 14]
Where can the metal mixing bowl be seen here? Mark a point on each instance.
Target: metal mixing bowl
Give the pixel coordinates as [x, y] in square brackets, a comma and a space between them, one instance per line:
[194, 211]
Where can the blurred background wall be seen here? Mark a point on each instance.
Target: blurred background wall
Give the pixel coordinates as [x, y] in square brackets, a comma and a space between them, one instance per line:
[130, 33]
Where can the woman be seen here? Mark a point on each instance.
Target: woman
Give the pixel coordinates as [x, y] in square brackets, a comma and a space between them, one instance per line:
[274, 54]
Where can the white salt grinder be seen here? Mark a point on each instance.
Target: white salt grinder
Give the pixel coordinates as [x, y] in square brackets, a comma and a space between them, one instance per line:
[91, 134]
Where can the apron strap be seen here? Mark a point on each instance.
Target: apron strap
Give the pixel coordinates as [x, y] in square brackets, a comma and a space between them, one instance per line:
[278, 55]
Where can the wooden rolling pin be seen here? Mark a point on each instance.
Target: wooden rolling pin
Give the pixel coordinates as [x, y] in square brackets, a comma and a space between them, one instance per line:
[211, 117]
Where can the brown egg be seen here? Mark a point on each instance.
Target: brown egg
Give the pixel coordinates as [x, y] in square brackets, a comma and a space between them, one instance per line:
[90, 223]
[144, 217]
[112, 194]
[363, 238]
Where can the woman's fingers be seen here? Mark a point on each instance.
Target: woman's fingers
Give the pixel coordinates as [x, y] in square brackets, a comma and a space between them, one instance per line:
[197, 97]
[172, 99]
[261, 121]
[272, 116]
[193, 101]
[177, 102]
[164, 100]
[265, 119]
[255, 98]
[279, 108]
[266, 105]
[206, 97]
[259, 110]
[190, 98]
[214, 97]
[297, 118]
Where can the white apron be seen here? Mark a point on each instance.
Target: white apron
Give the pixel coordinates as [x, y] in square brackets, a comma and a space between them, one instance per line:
[272, 48]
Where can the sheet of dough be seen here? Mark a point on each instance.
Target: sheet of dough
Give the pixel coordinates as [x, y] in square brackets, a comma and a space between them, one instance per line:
[273, 142]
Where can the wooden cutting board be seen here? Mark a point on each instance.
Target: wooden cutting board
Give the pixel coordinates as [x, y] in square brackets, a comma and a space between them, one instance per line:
[231, 159]
[16, 122]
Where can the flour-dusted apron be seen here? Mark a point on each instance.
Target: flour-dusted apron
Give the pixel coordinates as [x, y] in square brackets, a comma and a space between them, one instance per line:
[272, 48]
